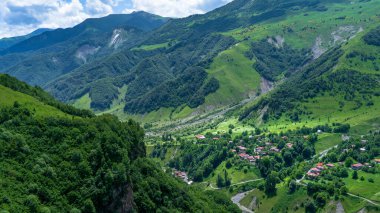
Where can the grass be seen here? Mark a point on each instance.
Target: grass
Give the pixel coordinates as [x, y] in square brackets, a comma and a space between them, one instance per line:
[236, 75]
[327, 140]
[83, 102]
[280, 202]
[152, 47]
[306, 26]
[325, 109]
[352, 204]
[364, 188]
[234, 173]
[9, 96]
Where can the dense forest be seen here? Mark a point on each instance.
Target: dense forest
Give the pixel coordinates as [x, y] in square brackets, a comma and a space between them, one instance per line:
[84, 163]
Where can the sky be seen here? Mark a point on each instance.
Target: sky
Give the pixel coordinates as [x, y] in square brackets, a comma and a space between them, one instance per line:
[20, 17]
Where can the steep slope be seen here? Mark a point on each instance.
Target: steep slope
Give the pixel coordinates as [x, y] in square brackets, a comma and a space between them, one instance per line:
[198, 65]
[45, 57]
[342, 86]
[180, 37]
[8, 42]
[52, 161]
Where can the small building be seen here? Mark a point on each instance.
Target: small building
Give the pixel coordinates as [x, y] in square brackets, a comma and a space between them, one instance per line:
[243, 156]
[242, 149]
[274, 149]
[330, 165]
[284, 138]
[312, 175]
[319, 131]
[357, 166]
[315, 171]
[320, 168]
[362, 149]
[377, 161]
[289, 145]
[319, 164]
[200, 137]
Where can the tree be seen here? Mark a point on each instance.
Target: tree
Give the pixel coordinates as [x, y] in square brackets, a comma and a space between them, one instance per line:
[89, 206]
[292, 186]
[355, 175]
[349, 161]
[219, 181]
[310, 207]
[227, 180]
[270, 184]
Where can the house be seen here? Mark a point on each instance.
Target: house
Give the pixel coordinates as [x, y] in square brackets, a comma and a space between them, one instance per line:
[284, 138]
[200, 137]
[315, 171]
[242, 149]
[289, 145]
[274, 149]
[312, 175]
[319, 164]
[233, 150]
[215, 139]
[377, 161]
[357, 166]
[330, 165]
[319, 131]
[259, 149]
[362, 149]
[251, 159]
[243, 156]
[320, 168]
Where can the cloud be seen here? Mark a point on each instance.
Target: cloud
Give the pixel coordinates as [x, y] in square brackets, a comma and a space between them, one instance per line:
[23, 16]
[175, 8]
[19, 17]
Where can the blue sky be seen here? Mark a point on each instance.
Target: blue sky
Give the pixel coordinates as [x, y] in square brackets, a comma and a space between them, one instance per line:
[19, 17]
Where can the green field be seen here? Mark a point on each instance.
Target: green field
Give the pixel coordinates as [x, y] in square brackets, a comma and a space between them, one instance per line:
[278, 203]
[236, 175]
[326, 141]
[364, 188]
[9, 96]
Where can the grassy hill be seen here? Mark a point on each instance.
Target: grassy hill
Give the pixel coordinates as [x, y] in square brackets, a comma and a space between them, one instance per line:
[341, 87]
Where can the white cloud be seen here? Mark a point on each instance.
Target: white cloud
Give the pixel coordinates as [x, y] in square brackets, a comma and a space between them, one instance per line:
[49, 14]
[169, 8]
[19, 17]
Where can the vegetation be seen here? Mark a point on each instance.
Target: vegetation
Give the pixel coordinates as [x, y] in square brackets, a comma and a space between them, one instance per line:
[84, 164]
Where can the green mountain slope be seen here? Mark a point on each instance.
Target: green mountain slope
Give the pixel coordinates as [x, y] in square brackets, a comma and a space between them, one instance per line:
[342, 86]
[8, 42]
[195, 66]
[56, 161]
[45, 57]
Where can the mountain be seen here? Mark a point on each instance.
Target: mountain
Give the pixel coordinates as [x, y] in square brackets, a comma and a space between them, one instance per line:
[8, 42]
[185, 69]
[342, 86]
[55, 157]
[49, 55]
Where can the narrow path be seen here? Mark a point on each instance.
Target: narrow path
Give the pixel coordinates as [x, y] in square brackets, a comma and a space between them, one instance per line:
[235, 184]
[363, 198]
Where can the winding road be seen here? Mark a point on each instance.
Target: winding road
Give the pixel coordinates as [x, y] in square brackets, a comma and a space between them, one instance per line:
[237, 198]
[363, 198]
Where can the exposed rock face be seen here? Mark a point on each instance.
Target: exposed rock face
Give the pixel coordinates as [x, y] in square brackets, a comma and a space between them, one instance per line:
[86, 51]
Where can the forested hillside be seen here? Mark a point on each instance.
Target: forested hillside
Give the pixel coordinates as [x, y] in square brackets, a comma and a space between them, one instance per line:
[132, 65]
[55, 158]
[347, 74]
